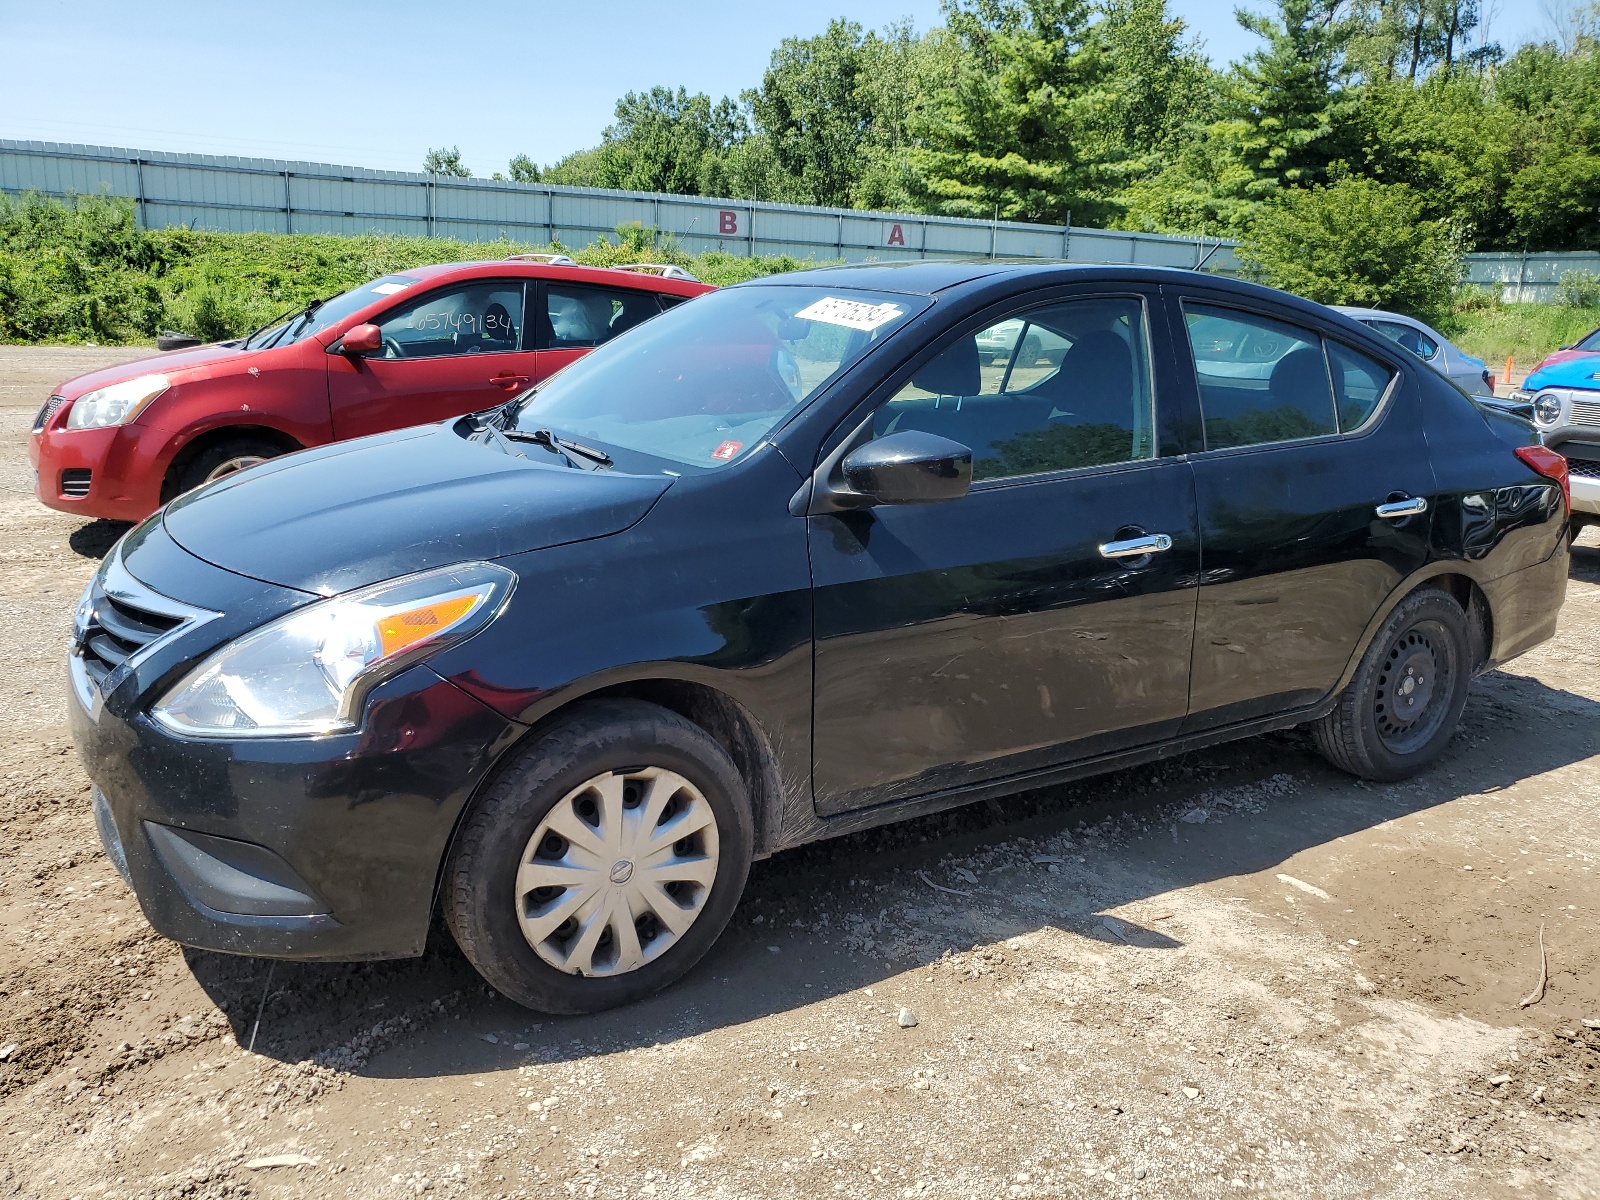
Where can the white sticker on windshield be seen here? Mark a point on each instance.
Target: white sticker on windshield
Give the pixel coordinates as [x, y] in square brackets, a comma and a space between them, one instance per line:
[852, 314]
[389, 289]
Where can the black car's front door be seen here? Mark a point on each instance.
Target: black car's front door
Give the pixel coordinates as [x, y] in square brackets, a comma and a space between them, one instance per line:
[1009, 630]
[1309, 444]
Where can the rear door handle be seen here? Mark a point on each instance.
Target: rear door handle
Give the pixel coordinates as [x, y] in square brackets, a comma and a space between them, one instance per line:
[509, 382]
[1396, 509]
[1152, 543]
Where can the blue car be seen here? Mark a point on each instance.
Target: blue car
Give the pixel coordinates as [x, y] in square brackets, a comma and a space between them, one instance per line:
[1565, 399]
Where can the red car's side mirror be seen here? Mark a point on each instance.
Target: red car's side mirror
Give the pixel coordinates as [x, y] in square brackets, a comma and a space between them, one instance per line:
[361, 339]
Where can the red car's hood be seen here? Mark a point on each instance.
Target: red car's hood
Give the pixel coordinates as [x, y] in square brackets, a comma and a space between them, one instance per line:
[1558, 356]
[171, 363]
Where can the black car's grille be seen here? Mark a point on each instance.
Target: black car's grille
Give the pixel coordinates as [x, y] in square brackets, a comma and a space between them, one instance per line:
[117, 630]
[1583, 467]
[75, 482]
[47, 411]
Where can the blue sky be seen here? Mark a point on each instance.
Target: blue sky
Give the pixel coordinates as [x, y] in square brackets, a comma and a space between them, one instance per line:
[376, 85]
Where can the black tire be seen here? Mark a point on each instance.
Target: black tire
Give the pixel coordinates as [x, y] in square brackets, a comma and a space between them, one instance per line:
[1376, 730]
[204, 465]
[479, 883]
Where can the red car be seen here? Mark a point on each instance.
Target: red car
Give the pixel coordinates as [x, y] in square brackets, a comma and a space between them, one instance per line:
[1588, 344]
[407, 349]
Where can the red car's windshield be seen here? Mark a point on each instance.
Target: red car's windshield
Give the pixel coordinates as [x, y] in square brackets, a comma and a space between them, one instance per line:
[326, 313]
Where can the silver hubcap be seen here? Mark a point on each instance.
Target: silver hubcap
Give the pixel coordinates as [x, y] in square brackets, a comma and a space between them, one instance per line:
[238, 463]
[617, 872]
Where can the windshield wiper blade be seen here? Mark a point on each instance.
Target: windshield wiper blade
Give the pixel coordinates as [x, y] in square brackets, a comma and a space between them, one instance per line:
[285, 318]
[566, 446]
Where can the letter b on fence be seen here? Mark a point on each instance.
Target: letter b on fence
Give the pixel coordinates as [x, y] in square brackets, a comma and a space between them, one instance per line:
[728, 222]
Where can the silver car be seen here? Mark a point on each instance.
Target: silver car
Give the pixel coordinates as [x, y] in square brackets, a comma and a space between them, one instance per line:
[1468, 373]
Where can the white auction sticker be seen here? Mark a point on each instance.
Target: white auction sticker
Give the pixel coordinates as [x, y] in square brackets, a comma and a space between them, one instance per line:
[852, 314]
[389, 289]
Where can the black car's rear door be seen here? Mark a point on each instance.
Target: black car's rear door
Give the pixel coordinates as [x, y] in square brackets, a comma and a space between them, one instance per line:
[1307, 439]
[1007, 631]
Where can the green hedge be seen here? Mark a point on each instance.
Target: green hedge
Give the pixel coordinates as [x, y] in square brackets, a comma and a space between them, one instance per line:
[83, 271]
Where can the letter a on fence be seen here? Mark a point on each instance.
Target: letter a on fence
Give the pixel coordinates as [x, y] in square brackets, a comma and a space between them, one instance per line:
[897, 236]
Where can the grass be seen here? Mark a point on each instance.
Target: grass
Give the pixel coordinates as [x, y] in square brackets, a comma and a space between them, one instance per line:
[83, 271]
[1526, 332]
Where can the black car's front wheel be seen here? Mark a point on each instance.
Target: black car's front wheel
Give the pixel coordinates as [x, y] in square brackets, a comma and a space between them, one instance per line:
[603, 863]
[1401, 707]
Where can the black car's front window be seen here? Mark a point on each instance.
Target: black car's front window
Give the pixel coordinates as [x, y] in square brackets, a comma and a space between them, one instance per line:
[703, 384]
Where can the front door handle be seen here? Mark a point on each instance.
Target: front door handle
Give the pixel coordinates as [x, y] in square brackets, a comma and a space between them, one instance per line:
[1396, 509]
[1151, 543]
[510, 382]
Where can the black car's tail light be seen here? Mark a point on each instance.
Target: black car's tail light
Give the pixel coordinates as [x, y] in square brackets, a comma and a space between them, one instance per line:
[1551, 465]
[75, 482]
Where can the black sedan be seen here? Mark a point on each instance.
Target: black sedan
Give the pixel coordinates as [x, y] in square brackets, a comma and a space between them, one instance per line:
[799, 557]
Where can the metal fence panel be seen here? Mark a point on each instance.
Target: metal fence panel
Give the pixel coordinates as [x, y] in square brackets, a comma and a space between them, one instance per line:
[1528, 277]
[276, 196]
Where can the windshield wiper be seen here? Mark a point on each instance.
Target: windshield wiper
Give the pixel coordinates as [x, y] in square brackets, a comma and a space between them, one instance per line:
[307, 311]
[563, 446]
[483, 433]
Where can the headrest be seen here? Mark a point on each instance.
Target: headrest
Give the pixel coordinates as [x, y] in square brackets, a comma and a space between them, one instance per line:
[1098, 367]
[952, 373]
[1300, 378]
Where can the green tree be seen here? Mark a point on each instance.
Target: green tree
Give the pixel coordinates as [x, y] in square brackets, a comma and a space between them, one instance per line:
[812, 106]
[446, 162]
[523, 169]
[1282, 105]
[1165, 88]
[1552, 102]
[1358, 242]
[1021, 128]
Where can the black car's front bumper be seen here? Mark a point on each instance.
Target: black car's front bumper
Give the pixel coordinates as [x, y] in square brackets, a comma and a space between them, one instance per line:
[324, 847]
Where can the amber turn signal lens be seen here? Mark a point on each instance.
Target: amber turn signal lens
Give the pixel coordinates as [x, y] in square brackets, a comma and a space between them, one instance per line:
[400, 630]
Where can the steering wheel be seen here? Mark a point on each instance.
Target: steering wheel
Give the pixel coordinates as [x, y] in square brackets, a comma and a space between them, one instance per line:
[392, 349]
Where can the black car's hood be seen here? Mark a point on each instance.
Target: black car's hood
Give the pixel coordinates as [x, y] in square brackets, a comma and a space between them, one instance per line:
[353, 513]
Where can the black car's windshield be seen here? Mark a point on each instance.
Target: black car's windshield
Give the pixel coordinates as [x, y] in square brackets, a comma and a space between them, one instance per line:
[321, 314]
[704, 383]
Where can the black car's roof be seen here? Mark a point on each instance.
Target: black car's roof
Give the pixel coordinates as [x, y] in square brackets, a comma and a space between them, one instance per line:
[930, 276]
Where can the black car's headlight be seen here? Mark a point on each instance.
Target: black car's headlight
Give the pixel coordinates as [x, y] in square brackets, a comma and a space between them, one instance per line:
[310, 672]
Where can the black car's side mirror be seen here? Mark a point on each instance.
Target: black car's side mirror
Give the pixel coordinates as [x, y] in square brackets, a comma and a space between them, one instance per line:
[911, 467]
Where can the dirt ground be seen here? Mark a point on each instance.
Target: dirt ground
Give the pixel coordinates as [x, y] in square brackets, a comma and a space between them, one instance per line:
[1236, 972]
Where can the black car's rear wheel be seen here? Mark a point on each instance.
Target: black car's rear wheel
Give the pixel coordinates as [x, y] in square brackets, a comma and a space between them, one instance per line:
[1401, 707]
[603, 864]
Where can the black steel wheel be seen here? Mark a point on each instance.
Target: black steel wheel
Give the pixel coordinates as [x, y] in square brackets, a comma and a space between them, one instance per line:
[1404, 701]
